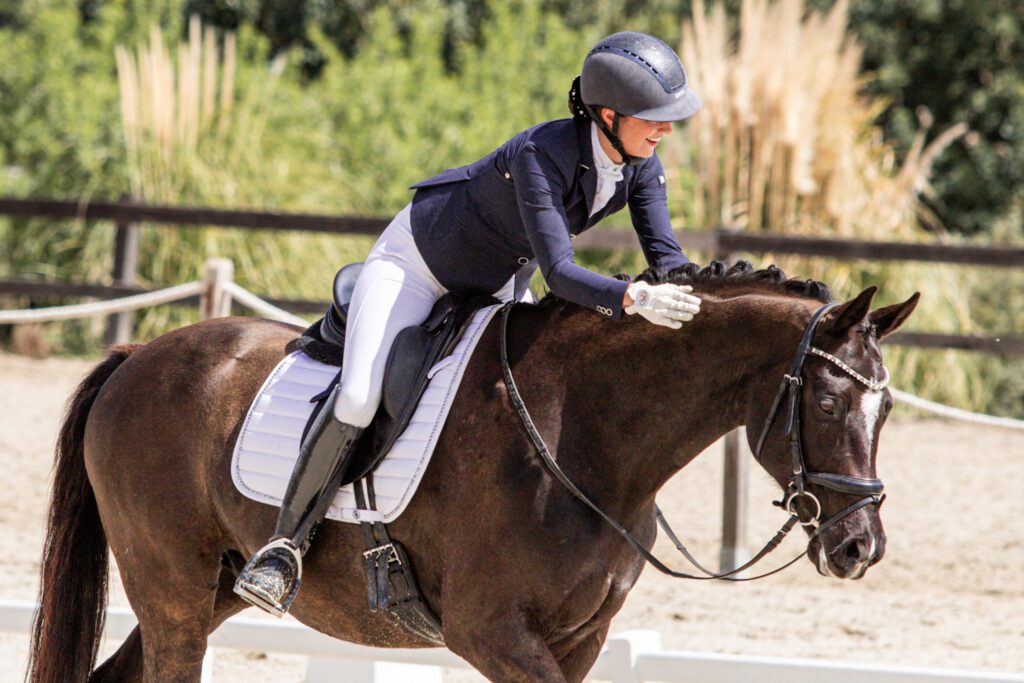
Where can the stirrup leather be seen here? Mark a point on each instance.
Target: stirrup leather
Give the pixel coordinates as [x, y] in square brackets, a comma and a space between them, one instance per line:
[258, 595]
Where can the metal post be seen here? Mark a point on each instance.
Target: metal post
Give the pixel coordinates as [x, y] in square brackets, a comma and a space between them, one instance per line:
[126, 266]
[215, 301]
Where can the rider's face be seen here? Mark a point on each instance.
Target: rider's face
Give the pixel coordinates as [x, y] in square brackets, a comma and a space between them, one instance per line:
[638, 137]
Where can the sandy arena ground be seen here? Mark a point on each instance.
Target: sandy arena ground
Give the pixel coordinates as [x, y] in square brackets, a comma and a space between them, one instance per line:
[949, 593]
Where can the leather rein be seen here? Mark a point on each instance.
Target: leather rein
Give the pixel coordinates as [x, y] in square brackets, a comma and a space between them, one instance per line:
[870, 489]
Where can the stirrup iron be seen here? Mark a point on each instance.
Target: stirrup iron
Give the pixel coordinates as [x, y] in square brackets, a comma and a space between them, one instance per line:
[259, 596]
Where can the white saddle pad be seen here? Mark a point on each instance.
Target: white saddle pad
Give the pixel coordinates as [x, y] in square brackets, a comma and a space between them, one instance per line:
[268, 444]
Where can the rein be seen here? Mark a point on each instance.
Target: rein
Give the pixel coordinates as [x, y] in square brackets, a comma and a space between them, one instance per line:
[871, 489]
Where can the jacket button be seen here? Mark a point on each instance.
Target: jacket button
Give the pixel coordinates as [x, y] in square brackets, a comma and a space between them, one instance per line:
[523, 260]
[507, 175]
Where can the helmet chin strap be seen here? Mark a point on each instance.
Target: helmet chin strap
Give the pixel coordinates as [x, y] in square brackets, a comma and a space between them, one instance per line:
[613, 136]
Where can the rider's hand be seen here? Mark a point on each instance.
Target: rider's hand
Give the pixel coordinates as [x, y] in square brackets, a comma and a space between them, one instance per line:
[668, 305]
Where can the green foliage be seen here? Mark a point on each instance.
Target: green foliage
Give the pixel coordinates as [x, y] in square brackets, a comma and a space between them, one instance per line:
[395, 114]
[961, 60]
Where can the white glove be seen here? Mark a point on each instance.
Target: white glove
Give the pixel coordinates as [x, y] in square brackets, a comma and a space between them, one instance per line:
[668, 305]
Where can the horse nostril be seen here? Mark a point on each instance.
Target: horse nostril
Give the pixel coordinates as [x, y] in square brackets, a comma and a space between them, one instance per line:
[851, 554]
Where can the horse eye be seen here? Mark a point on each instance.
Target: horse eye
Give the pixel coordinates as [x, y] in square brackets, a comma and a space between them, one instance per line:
[827, 405]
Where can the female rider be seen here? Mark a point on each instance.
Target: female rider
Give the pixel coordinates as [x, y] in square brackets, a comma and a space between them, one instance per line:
[485, 228]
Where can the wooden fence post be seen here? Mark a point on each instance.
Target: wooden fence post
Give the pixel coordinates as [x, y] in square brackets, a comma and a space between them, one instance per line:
[126, 266]
[735, 551]
[215, 301]
[735, 475]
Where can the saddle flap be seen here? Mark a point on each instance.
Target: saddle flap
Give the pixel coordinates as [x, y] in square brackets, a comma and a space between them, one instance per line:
[414, 352]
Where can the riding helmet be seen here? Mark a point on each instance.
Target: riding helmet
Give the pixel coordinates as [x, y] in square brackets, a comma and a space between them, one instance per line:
[637, 75]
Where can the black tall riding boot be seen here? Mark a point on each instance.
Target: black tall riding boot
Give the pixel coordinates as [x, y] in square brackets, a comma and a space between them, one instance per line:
[272, 576]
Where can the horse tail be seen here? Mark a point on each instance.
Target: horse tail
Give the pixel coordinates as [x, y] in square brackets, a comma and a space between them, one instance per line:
[73, 579]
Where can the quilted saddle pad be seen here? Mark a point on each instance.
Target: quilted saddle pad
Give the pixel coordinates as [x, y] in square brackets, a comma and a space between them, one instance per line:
[268, 444]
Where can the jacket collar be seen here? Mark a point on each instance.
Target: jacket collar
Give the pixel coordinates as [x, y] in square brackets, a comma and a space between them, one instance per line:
[585, 166]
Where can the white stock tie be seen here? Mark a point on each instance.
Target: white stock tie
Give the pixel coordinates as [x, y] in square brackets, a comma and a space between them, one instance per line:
[608, 173]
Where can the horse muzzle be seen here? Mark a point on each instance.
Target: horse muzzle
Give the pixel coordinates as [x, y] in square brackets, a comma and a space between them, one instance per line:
[850, 557]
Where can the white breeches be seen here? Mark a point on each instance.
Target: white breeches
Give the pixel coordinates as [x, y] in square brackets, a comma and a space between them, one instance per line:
[395, 290]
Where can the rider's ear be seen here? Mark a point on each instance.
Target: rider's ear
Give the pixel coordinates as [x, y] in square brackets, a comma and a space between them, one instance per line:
[849, 314]
[888, 319]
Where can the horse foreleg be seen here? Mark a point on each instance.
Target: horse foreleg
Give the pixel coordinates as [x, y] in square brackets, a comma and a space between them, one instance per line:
[503, 653]
[580, 660]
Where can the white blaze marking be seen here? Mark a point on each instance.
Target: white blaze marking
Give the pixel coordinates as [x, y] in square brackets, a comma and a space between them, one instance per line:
[871, 408]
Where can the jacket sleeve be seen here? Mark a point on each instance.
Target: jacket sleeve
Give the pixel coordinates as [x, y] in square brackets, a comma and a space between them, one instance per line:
[648, 206]
[539, 191]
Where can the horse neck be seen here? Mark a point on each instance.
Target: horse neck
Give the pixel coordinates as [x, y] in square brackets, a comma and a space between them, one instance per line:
[638, 403]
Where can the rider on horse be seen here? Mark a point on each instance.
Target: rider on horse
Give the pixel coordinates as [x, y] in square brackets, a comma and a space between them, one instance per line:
[484, 228]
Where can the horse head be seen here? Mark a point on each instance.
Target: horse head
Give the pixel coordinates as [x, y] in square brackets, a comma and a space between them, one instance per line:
[820, 438]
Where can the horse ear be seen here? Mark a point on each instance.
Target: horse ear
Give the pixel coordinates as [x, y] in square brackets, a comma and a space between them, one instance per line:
[849, 314]
[888, 319]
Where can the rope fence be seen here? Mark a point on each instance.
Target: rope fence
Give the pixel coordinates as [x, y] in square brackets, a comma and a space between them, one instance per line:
[218, 290]
[943, 410]
[99, 308]
[258, 305]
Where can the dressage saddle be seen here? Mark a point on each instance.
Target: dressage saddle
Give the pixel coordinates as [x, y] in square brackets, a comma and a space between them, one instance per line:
[415, 351]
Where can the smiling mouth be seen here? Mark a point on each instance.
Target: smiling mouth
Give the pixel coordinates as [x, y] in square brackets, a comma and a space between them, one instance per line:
[652, 142]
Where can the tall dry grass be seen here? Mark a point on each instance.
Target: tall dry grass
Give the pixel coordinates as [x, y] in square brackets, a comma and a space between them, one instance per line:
[786, 140]
[193, 133]
[176, 112]
[786, 143]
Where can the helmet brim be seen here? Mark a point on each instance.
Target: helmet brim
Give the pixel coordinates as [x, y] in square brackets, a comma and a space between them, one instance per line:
[683, 107]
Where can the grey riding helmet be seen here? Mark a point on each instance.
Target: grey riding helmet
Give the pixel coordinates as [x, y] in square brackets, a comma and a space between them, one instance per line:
[635, 74]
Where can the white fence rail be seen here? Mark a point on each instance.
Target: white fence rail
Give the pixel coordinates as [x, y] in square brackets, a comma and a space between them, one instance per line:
[630, 657]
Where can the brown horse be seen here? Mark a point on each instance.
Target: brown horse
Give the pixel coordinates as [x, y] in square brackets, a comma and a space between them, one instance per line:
[524, 578]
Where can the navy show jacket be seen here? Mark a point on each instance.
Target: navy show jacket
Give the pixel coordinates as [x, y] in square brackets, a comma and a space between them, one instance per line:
[478, 225]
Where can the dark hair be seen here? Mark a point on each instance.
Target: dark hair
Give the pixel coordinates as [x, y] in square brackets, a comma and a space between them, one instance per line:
[576, 108]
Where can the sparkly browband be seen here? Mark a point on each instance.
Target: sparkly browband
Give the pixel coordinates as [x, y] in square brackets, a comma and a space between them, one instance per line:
[869, 383]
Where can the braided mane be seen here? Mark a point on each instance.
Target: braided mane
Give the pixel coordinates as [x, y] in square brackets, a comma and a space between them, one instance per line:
[720, 279]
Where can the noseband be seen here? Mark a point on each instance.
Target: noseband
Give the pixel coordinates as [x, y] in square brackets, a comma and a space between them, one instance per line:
[870, 489]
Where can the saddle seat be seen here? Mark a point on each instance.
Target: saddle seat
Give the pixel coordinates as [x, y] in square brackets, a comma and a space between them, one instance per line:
[407, 371]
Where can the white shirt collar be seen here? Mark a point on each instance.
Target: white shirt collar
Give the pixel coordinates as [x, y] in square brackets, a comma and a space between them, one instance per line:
[601, 158]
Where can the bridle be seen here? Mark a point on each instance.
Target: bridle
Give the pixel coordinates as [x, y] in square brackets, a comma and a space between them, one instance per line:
[870, 489]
